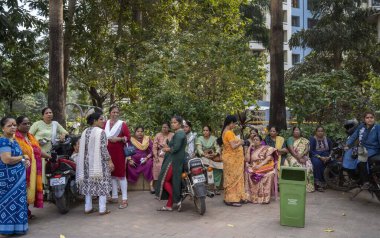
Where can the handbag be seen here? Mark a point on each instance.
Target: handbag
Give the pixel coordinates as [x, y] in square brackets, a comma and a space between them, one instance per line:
[129, 150]
[362, 154]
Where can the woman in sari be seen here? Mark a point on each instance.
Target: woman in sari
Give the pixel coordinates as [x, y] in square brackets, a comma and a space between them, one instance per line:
[117, 133]
[13, 206]
[142, 161]
[169, 182]
[320, 148]
[233, 164]
[260, 171]
[30, 146]
[94, 165]
[209, 151]
[160, 141]
[278, 142]
[298, 156]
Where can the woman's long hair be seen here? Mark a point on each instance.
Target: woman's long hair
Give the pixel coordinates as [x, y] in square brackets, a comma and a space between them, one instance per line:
[229, 119]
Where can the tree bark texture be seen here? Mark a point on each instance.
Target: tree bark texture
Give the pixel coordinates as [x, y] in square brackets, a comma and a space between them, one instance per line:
[277, 84]
[56, 89]
[68, 42]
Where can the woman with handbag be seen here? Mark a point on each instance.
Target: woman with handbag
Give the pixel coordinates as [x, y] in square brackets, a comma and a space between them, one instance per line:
[368, 136]
[142, 160]
[118, 135]
[209, 151]
[260, 171]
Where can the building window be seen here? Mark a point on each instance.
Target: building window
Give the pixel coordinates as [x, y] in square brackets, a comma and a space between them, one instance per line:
[310, 4]
[285, 16]
[296, 58]
[285, 56]
[311, 22]
[286, 37]
[295, 3]
[295, 21]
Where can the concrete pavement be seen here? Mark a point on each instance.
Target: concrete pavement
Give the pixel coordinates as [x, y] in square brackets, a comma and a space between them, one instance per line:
[330, 210]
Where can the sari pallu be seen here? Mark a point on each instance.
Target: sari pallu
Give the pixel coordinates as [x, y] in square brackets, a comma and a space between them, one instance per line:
[13, 209]
[301, 145]
[32, 148]
[261, 183]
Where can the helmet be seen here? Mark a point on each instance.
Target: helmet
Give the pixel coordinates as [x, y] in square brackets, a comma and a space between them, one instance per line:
[350, 126]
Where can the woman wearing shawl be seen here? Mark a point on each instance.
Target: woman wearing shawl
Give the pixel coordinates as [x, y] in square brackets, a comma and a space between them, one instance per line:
[142, 161]
[30, 146]
[169, 182]
[13, 207]
[117, 133]
[209, 151]
[94, 165]
[298, 156]
[278, 142]
[233, 164]
[191, 137]
[160, 141]
[260, 171]
[320, 148]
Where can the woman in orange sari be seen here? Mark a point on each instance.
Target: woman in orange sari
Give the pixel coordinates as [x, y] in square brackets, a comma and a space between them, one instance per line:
[233, 164]
[260, 171]
[30, 146]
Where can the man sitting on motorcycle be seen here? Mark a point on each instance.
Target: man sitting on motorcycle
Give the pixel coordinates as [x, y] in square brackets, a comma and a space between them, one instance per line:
[368, 136]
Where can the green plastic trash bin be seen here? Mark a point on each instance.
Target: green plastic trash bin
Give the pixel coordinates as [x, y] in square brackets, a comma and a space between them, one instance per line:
[292, 196]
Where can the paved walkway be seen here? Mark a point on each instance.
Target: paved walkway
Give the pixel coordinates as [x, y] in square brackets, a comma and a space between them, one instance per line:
[330, 210]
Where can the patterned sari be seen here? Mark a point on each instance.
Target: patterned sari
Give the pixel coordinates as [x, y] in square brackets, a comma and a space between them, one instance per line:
[301, 146]
[31, 147]
[13, 207]
[258, 183]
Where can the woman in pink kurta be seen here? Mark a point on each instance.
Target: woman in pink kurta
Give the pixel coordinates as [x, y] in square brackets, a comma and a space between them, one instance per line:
[160, 141]
[117, 134]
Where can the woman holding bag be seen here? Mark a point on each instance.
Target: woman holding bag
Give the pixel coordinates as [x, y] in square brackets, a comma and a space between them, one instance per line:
[118, 134]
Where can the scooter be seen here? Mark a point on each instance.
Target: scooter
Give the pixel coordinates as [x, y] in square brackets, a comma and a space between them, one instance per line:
[194, 181]
[60, 174]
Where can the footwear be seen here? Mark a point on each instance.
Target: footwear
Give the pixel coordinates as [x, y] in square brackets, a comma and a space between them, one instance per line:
[124, 204]
[152, 191]
[179, 206]
[365, 186]
[104, 213]
[113, 200]
[165, 209]
[91, 211]
[31, 217]
[233, 204]
[216, 192]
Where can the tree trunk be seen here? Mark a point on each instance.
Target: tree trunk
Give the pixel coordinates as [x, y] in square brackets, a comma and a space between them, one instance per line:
[277, 84]
[56, 97]
[67, 43]
[96, 98]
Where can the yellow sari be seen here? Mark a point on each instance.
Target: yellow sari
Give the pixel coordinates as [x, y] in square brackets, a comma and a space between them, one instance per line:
[233, 169]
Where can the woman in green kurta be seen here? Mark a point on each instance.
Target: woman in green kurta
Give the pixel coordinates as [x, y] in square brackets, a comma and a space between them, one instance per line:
[209, 151]
[169, 180]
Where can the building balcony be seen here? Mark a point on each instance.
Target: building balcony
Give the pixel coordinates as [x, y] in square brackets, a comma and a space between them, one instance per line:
[375, 4]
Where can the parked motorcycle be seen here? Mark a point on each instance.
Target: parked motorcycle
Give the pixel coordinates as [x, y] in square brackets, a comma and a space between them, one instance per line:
[60, 174]
[194, 183]
[339, 178]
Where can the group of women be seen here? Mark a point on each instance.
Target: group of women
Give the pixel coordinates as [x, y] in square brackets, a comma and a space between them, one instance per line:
[248, 168]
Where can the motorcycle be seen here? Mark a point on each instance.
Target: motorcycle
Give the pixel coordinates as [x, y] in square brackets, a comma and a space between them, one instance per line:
[194, 182]
[60, 174]
[339, 178]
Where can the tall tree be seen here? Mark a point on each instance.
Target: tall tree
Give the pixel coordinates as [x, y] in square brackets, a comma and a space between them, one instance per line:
[277, 83]
[56, 88]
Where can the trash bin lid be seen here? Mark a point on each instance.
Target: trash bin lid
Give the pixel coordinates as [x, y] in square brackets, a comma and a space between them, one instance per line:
[293, 174]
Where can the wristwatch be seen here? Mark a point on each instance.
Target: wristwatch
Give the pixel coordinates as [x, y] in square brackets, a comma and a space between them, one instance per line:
[23, 159]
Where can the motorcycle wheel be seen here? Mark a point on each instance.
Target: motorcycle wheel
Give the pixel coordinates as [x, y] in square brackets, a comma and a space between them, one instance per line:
[63, 203]
[333, 179]
[377, 192]
[200, 204]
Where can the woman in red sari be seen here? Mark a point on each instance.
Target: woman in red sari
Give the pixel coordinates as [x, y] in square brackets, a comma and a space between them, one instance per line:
[30, 146]
[117, 134]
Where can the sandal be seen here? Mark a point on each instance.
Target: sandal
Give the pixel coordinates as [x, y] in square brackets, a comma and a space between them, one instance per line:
[113, 200]
[165, 209]
[30, 217]
[91, 211]
[104, 213]
[217, 192]
[233, 204]
[124, 204]
[179, 206]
